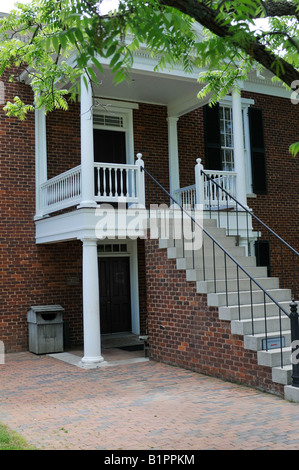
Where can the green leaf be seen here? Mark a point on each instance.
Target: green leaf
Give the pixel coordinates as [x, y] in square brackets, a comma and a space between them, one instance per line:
[92, 74]
[294, 149]
[97, 64]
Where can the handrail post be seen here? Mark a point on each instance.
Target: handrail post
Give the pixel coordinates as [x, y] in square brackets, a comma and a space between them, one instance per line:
[295, 343]
[140, 180]
[199, 182]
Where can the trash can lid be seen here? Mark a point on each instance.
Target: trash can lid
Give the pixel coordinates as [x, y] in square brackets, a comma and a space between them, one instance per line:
[46, 308]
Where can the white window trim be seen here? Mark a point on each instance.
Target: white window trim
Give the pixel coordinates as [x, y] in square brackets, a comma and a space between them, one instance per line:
[120, 109]
[245, 104]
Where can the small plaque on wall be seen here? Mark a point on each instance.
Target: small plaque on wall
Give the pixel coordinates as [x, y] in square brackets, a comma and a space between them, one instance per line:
[273, 343]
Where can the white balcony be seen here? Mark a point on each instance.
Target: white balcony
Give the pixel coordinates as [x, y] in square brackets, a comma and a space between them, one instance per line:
[113, 183]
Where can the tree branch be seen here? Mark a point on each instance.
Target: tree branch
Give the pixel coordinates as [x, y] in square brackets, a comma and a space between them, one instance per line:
[280, 8]
[208, 18]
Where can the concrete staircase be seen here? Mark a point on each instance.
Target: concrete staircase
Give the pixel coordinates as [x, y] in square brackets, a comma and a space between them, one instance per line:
[245, 310]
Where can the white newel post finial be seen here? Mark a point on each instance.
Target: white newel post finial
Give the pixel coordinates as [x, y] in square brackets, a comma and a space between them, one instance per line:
[199, 182]
[140, 180]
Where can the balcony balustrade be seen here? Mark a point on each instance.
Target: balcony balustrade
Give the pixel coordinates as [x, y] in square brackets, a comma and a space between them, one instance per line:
[112, 183]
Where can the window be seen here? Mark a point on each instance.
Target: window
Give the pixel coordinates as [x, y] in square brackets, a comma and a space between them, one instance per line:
[226, 138]
[219, 138]
[108, 120]
[113, 248]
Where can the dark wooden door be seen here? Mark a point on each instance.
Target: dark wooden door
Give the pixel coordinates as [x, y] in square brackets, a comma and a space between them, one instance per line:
[109, 147]
[115, 299]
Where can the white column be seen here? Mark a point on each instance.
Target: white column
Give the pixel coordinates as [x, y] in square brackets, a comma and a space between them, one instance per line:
[199, 183]
[239, 155]
[40, 159]
[174, 176]
[87, 154]
[91, 305]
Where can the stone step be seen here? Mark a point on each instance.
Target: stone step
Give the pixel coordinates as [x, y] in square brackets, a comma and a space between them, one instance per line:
[291, 393]
[169, 228]
[190, 263]
[282, 375]
[256, 342]
[247, 311]
[171, 221]
[220, 299]
[259, 325]
[232, 285]
[176, 237]
[198, 251]
[272, 357]
[191, 243]
[230, 273]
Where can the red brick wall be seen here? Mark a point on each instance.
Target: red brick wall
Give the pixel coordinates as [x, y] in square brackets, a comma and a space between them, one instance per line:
[184, 331]
[29, 274]
[151, 139]
[63, 140]
[191, 145]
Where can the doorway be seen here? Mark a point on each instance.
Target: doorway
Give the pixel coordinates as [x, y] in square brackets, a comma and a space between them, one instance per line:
[110, 147]
[115, 298]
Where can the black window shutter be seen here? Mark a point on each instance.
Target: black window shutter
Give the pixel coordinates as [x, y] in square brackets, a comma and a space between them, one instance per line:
[262, 253]
[258, 157]
[212, 138]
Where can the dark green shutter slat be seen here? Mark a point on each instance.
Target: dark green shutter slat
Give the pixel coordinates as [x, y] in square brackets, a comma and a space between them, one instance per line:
[212, 138]
[258, 157]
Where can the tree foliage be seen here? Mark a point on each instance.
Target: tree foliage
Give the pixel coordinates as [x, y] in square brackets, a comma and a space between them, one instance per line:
[56, 41]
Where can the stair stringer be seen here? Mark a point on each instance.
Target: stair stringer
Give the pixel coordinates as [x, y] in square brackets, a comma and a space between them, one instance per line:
[253, 340]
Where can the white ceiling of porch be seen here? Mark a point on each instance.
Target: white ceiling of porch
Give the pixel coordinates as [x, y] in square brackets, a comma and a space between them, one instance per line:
[176, 91]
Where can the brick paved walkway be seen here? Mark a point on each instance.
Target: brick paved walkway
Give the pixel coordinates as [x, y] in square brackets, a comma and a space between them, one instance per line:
[146, 405]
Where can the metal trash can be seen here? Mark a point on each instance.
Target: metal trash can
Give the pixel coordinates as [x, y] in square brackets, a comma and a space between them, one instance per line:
[45, 324]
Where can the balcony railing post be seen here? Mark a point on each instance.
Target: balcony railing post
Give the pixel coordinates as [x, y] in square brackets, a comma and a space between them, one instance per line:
[199, 182]
[140, 180]
[295, 343]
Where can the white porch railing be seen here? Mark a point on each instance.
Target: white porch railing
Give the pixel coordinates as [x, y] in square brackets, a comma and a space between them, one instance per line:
[186, 196]
[214, 197]
[206, 193]
[113, 183]
[62, 191]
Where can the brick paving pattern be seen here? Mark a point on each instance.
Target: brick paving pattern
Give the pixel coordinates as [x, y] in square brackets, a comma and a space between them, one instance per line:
[141, 406]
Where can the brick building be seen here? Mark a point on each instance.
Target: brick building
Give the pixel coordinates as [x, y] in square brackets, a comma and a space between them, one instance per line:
[70, 183]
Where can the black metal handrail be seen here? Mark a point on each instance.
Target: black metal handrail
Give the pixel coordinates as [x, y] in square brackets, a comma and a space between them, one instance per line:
[239, 267]
[270, 231]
